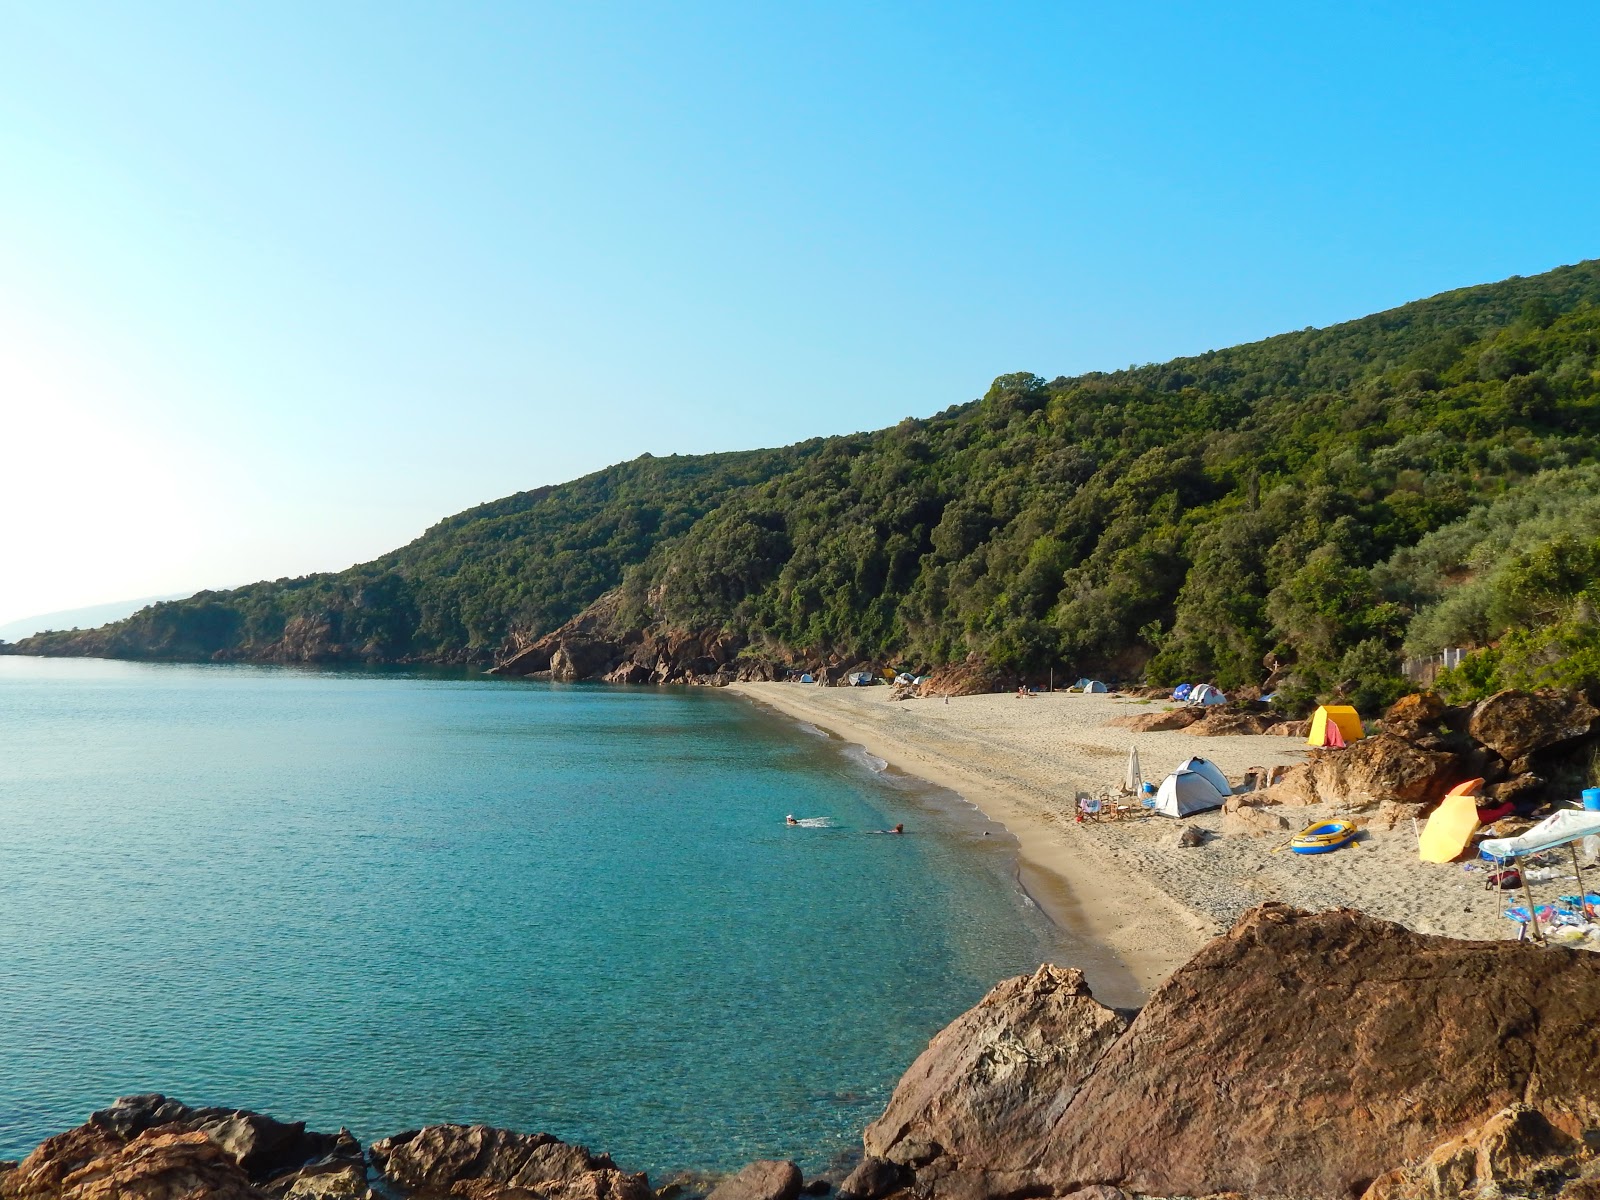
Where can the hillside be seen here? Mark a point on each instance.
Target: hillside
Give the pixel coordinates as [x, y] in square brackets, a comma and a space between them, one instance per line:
[462, 592]
[1294, 510]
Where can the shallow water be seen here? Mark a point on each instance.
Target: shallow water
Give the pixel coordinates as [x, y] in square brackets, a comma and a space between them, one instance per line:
[384, 899]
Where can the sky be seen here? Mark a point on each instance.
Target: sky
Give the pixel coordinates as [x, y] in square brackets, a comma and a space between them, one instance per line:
[283, 284]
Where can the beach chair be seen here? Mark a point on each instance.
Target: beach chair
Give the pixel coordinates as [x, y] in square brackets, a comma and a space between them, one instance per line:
[1090, 807]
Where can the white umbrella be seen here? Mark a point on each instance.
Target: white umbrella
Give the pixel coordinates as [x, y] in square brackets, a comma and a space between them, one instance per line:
[1135, 781]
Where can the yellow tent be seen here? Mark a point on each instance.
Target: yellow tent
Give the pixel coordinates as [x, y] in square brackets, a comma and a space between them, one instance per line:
[1452, 825]
[1342, 717]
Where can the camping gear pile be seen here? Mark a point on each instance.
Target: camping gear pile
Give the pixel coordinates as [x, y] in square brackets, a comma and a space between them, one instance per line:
[1198, 693]
[1573, 918]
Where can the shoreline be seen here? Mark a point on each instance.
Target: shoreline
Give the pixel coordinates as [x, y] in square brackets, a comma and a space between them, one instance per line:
[1137, 902]
[1127, 933]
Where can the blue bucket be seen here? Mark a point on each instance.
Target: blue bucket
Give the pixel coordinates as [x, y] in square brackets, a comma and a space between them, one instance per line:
[1591, 799]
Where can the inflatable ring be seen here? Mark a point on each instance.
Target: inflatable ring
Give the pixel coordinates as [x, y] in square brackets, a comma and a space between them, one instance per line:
[1319, 839]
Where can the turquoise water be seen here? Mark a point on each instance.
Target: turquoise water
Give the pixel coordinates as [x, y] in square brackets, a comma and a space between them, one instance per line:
[382, 900]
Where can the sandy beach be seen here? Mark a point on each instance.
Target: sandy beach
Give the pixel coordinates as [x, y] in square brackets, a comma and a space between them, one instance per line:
[1125, 887]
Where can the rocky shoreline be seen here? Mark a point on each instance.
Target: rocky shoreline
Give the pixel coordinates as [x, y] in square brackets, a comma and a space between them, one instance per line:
[1296, 1056]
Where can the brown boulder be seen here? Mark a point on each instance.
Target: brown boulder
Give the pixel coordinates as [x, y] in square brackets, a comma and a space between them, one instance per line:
[989, 1088]
[1516, 1150]
[1298, 1055]
[1158, 722]
[1302, 1055]
[1232, 724]
[1382, 767]
[974, 677]
[764, 1179]
[1414, 716]
[163, 1163]
[873, 1177]
[1514, 724]
[1295, 787]
[1250, 820]
[482, 1163]
[1291, 729]
[260, 1147]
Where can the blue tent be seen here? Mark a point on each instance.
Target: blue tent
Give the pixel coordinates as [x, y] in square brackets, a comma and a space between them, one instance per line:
[1181, 692]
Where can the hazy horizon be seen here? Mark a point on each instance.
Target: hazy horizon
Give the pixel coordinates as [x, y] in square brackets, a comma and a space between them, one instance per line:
[286, 287]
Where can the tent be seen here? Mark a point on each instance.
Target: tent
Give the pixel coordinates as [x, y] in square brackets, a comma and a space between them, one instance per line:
[1134, 781]
[1181, 692]
[1212, 773]
[1568, 825]
[1094, 685]
[860, 679]
[1452, 824]
[1185, 792]
[1206, 694]
[1347, 725]
[807, 679]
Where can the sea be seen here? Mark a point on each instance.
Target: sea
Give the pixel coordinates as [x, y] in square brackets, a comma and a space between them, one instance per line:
[384, 898]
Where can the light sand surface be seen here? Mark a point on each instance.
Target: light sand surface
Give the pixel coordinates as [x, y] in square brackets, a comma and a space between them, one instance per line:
[1126, 886]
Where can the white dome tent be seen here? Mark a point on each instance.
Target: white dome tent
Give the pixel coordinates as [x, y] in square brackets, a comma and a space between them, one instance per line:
[1185, 792]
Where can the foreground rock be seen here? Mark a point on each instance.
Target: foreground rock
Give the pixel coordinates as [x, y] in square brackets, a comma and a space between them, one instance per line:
[480, 1163]
[151, 1146]
[1517, 1151]
[764, 1179]
[1296, 1056]
[990, 1089]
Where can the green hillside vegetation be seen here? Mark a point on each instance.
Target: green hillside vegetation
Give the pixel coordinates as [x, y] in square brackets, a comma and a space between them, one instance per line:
[1306, 508]
[524, 563]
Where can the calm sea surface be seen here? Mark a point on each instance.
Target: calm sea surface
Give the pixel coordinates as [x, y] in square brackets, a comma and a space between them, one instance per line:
[385, 899]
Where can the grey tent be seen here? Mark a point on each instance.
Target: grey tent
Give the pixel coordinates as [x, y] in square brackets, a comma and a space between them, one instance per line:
[1212, 772]
[1185, 792]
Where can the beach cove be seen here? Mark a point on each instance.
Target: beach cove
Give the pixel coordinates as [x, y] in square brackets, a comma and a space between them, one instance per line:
[1140, 903]
[384, 898]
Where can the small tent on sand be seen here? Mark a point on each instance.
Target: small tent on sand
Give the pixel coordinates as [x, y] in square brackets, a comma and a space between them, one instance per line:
[1185, 792]
[1094, 685]
[1346, 726]
[1181, 692]
[1206, 694]
[1213, 773]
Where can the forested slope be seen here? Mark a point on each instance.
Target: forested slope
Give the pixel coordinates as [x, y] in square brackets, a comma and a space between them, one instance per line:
[1307, 506]
[463, 591]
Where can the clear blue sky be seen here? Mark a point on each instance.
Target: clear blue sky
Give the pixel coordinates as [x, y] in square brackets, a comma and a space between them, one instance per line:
[281, 284]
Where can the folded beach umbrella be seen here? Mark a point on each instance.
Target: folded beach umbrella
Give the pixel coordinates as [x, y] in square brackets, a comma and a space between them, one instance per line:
[1135, 779]
[1452, 824]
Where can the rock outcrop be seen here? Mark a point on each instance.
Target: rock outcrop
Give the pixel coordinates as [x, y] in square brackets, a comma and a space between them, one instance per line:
[764, 1179]
[599, 643]
[1414, 716]
[1158, 722]
[1516, 724]
[1382, 768]
[158, 1164]
[1296, 1056]
[990, 1089]
[480, 1163]
[974, 677]
[1517, 1151]
[150, 1145]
